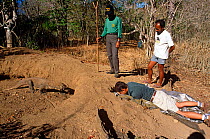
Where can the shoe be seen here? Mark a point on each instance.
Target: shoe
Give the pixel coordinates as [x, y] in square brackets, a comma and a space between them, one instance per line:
[117, 75]
[110, 72]
[206, 107]
[207, 122]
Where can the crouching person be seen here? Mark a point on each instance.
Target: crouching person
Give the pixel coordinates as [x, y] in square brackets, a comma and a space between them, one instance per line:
[162, 100]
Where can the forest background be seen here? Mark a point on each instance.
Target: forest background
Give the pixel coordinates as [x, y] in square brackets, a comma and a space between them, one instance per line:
[43, 24]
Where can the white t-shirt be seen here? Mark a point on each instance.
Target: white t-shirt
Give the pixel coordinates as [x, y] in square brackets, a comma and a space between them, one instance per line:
[162, 44]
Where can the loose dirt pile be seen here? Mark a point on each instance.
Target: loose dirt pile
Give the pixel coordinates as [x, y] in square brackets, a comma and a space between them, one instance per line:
[82, 113]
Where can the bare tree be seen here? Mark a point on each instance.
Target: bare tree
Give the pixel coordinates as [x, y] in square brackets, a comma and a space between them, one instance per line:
[142, 18]
[9, 17]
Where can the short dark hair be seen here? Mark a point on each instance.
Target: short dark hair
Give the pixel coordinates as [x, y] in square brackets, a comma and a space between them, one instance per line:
[119, 86]
[161, 22]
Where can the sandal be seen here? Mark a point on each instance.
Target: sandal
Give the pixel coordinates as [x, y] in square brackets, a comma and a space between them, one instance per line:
[207, 122]
[156, 86]
[206, 107]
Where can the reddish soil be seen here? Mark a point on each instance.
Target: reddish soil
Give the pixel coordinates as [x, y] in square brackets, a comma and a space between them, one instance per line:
[80, 115]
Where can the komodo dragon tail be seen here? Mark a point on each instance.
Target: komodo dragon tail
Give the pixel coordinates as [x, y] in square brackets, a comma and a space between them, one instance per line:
[14, 87]
[8, 89]
[19, 84]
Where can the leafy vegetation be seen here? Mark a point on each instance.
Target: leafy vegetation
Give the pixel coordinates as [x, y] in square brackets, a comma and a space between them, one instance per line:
[52, 24]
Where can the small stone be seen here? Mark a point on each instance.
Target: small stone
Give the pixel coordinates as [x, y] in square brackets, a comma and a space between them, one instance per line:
[176, 121]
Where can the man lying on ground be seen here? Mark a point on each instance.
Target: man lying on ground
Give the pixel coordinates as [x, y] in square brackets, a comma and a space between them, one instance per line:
[162, 100]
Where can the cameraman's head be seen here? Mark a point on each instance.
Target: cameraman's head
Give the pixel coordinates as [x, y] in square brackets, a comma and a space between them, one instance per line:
[121, 87]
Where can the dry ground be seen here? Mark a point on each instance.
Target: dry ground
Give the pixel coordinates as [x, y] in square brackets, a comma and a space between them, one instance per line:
[63, 116]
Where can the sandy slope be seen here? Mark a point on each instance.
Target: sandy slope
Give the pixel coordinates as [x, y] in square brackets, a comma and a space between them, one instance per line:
[78, 115]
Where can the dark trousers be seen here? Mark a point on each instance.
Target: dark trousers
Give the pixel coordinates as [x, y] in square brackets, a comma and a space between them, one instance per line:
[112, 52]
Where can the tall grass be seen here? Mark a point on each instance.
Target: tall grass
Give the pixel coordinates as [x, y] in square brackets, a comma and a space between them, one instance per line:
[191, 57]
[194, 55]
[89, 53]
[133, 57]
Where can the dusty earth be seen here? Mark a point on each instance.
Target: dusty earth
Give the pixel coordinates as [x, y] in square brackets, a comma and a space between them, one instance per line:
[90, 111]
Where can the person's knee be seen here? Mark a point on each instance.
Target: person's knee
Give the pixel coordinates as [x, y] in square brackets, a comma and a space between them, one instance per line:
[109, 55]
[160, 67]
[180, 104]
[150, 67]
[115, 56]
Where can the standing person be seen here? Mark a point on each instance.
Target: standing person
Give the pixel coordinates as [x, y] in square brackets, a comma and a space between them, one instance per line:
[163, 46]
[113, 32]
[162, 100]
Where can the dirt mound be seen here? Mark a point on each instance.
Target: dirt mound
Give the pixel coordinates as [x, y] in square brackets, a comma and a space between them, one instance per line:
[81, 115]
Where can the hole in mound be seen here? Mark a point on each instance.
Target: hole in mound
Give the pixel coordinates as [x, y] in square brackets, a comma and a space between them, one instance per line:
[68, 91]
[17, 76]
[4, 77]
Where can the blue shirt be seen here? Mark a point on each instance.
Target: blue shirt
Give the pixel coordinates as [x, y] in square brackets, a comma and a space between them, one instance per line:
[138, 91]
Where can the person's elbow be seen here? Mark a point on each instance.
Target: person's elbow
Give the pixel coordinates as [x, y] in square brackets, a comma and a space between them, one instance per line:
[172, 48]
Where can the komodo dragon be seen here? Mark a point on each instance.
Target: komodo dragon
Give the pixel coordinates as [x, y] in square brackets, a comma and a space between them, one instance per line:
[37, 83]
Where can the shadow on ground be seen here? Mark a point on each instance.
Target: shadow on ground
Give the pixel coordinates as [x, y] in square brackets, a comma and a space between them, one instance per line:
[108, 128]
[18, 130]
[139, 71]
[13, 51]
[169, 79]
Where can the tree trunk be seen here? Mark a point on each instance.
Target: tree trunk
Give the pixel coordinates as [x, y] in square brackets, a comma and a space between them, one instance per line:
[9, 20]
[9, 38]
[171, 11]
